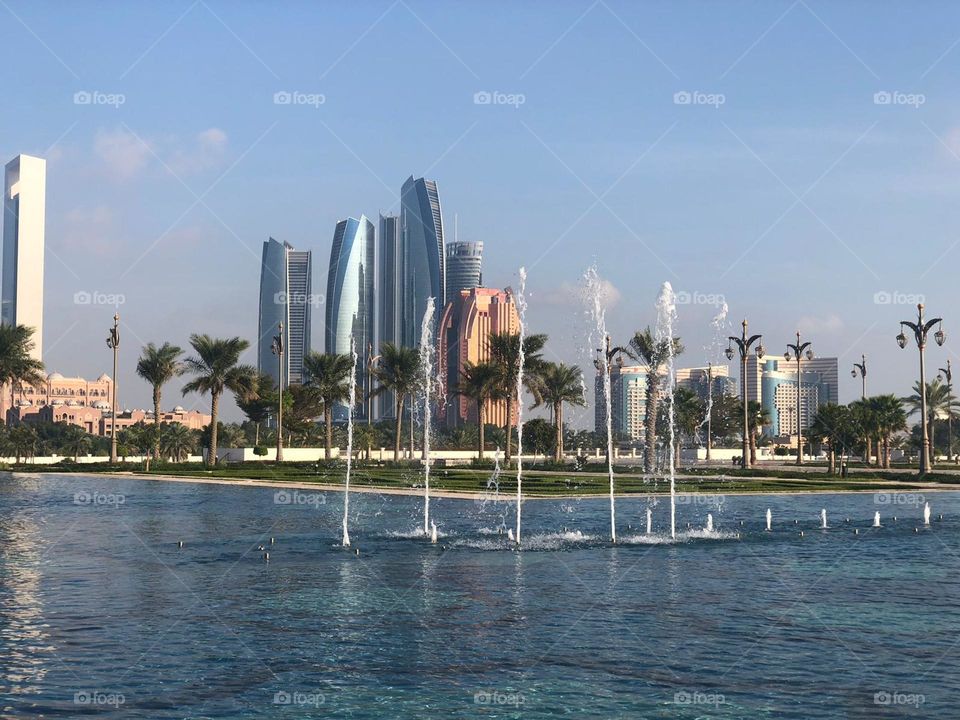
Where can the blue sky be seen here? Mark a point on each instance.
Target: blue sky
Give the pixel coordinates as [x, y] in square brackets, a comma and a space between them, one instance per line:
[787, 185]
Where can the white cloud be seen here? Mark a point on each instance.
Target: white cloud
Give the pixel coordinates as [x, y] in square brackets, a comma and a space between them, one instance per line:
[206, 151]
[126, 155]
[830, 324]
[123, 153]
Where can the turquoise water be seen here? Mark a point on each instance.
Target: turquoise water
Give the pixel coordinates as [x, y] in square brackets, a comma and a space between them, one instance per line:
[102, 613]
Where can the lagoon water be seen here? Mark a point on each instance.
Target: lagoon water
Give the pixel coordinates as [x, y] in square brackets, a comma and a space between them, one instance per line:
[102, 613]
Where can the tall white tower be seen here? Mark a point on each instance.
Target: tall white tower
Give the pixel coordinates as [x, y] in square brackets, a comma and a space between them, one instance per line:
[21, 282]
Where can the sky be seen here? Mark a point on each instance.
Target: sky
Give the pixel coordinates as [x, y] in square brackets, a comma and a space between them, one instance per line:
[799, 161]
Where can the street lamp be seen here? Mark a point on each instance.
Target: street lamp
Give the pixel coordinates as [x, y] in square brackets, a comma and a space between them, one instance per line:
[861, 369]
[743, 344]
[604, 364]
[709, 408]
[372, 361]
[276, 347]
[796, 352]
[920, 329]
[113, 342]
[947, 374]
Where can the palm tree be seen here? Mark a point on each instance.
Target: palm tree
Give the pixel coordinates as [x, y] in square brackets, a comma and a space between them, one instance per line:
[890, 418]
[837, 425]
[23, 441]
[259, 404]
[560, 384]
[216, 367]
[177, 441]
[688, 415]
[75, 441]
[940, 404]
[504, 348]
[329, 375]
[758, 417]
[652, 352]
[399, 372]
[159, 365]
[868, 422]
[17, 366]
[480, 382]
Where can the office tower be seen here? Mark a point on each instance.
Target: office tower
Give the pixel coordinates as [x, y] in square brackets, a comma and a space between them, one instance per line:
[463, 337]
[773, 383]
[21, 290]
[286, 295]
[422, 256]
[463, 267]
[350, 298]
[388, 305]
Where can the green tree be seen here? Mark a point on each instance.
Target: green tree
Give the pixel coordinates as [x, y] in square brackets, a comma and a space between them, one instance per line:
[838, 426]
[216, 367]
[329, 379]
[158, 366]
[17, 366]
[689, 412]
[75, 441]
[504, 349]
[890, 418]
[177, 441]
[399, 372]
[758, 417]
[480, 382]
[23, 441]
[259, 404]
[653, 353]
[560, 384]
[940, 404]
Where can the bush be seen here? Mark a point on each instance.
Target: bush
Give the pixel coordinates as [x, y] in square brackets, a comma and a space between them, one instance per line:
[260, 450]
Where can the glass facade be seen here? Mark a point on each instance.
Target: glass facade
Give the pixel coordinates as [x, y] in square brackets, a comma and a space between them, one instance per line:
[422, 255]
[285, 296]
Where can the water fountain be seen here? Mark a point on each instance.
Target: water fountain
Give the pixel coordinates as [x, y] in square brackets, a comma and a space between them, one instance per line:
[594, 292]
[433, 532]
[666, 315]
[649, 521]
[876, 519]
[346, 482]
[521, 312]
[823, 518]
[709, 527]
[426, 363]
[769, 519]
[926, 513]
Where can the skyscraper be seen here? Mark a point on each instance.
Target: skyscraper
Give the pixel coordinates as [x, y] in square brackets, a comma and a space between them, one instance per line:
[463, 267]
[387, 287]
[422, 256]
[24, 212]
[350, 297]
[286, 287]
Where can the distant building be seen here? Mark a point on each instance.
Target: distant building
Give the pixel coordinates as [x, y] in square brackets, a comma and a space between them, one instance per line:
[57, 391]
[193, 419]
[422, 256]
[463, 267]
[24, 213]
[350, 305]
[695, 379]
[773, 383]
[286, 295]
[387, 285]
[464, 331]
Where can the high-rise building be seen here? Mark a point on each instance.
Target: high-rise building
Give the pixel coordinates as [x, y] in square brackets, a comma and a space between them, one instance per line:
[463, 336]
[24, 213]
[350, 297]
[422, 256]
[388, 306]
[286, 295]
[777, 381]
[463, 267]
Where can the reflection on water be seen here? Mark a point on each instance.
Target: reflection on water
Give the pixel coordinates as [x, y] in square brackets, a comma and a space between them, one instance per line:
[99, 602]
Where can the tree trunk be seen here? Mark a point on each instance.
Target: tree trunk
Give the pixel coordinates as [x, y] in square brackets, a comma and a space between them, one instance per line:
[508, 426]
[753, 448]
[832, 462]
[558, 419]
[480, 421]
[886, 452]
[156, 423]
[398, 431]
[214, 407]
[256, 433]
[328, 430]
[412, 429]
[650, 422]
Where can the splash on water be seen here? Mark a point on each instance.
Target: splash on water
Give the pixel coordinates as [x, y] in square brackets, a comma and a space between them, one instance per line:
[876, 519]
[823, 518]
[426, 364]
[769, 520]
[350, 403]
[926, 513]
[521, 312]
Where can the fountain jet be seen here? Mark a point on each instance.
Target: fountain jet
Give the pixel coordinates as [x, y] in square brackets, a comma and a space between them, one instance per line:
[769, 519]
[876, 519]
[709, 527]
[426, 363]
[666, 315]
[926, 513]
[823, 518]
[521, 312]
[649, 521]
[346, 483]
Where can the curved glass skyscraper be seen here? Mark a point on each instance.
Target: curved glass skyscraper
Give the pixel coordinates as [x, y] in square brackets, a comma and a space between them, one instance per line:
[463, 267]
[350, 297]
[285, 296]
[422, 255]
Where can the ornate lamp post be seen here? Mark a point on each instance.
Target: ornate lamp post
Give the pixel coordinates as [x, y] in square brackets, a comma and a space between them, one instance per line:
[797, 352]
[113, 342]
[276, 347]
[920, 329]
[947, 374]
[744, 344]
[861, 369]
[604, 364]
